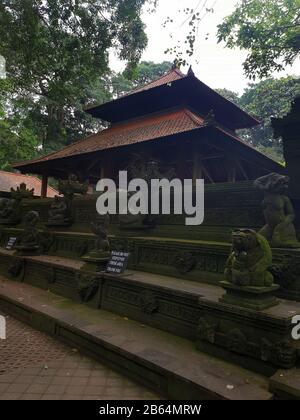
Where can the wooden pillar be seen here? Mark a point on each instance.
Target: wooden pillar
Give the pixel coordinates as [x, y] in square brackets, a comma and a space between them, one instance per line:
[231, 170]
[102, 171]
[181, 161]
[107, 168]
[44, 187]
[197, 168]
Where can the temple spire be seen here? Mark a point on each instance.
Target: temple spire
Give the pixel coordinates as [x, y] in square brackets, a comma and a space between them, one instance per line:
[191, 72]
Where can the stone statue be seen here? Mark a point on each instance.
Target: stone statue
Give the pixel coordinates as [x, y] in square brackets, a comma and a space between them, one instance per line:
[8, 211]
[72, 186]
[60, 213]
[278, 211]
[146, 169]
[137, 221]
[99, 228]
[98, 257]
[21, 192]
[249, 260]
[210, 119]
[10, 208]
[29, 240]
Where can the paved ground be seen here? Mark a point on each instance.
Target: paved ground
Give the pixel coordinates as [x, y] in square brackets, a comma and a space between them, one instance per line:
[34, 366]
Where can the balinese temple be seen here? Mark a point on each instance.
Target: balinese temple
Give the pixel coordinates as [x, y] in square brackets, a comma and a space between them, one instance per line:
[177, 121]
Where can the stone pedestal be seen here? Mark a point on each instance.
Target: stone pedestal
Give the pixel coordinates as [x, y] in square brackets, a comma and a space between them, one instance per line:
[28, 250]
[256, 298]
[9, 222]
[95, 261]
[58, 224]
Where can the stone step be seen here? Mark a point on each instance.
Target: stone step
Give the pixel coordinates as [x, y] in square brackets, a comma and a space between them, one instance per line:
[194, 260]
[253, 339]
[169, 364]
[286, 384]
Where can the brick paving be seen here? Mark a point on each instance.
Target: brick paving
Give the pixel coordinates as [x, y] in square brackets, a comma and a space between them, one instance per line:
[34, 366]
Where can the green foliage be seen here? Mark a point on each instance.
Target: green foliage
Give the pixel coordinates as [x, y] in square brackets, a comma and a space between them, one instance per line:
[57, 54]
[268, 98]
[273, 152]
[147, 71]
[269, 30]
[230, 95]
[143, 73]
[17, 139]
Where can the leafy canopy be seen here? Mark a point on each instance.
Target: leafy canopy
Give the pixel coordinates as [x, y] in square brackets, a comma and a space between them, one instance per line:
[145, 72]
[268, 98]
[57, 56]
[17, 141]
[269, 30]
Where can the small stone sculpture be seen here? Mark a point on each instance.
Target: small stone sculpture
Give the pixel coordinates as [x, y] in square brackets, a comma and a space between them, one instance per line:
[8, 211]
[10, 208]
[184, 262]
[60, 213]
[29, 243]
[278, 211]
[72, 186]
[99, 228]
[137, 221]
[249, 260]
[21, 192]
[248, 282]
[210, 119]
[99, 256]
[146, 169]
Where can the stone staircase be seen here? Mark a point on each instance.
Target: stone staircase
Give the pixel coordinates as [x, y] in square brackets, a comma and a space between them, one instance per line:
[147, 326]
[168, 364]
[162, 322]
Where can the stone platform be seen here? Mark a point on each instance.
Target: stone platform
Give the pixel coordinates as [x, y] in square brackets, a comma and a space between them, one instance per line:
[259, 340]
[195, 260]
[145, 354]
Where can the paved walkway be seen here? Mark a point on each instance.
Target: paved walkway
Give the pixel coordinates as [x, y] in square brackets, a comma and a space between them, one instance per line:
[34, 366]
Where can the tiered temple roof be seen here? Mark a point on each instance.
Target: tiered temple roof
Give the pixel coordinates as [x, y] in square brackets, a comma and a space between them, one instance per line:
[172, 107]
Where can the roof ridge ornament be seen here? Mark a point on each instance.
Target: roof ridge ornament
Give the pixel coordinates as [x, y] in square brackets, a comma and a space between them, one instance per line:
[210, 119]
[176, 65]
[191, 71]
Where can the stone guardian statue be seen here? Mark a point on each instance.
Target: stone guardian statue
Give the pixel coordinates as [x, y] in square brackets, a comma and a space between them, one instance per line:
[278, 210]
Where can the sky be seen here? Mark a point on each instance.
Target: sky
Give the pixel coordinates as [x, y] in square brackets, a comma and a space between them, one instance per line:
[213, 63]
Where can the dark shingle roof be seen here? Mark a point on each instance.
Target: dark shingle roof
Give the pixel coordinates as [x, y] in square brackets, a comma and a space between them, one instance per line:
[144, 129]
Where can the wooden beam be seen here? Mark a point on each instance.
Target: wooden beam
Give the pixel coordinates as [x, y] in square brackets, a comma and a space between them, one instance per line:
[94, 162]
[206, 173]
[44, 187]
[231, 170]
[239, 163]
[196, 168]
[102, 171]
[180, 164]
[212, 157]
